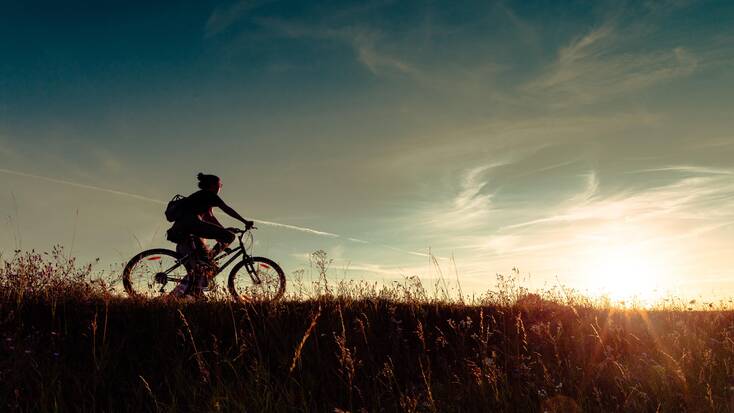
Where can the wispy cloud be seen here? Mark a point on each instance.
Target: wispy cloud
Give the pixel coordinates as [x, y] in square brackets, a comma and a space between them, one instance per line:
[393, 272]
[363, 40]
[378, 62]
[525, 30]
[591, 189]
[390, 53]
[708, 197]
[225, 16]
[689, 169]
[470, 204]
[684, 223]
[594, 67]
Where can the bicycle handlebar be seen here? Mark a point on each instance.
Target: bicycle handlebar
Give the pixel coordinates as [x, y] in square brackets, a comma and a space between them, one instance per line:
[241, 231]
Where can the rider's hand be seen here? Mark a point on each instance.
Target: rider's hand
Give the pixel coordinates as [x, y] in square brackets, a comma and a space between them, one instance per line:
[249, 224]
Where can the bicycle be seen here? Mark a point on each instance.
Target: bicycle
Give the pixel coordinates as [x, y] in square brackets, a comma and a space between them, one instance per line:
[158, 271]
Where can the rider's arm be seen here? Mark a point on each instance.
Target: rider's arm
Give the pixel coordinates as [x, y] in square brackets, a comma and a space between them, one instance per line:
[231, 212]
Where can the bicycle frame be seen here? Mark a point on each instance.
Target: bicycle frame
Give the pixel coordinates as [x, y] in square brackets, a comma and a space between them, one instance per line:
[238, 251]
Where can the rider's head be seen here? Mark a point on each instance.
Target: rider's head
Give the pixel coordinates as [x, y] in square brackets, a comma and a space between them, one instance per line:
[210, 183]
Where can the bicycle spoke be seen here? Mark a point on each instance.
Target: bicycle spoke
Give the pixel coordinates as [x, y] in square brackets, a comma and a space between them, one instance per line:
[155, 275]
[257, 281]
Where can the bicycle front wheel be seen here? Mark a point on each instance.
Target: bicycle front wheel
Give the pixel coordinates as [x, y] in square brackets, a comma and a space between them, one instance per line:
[263, 280]
[153, 273]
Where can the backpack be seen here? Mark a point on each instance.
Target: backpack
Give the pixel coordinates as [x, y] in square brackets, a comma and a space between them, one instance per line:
[175, 208]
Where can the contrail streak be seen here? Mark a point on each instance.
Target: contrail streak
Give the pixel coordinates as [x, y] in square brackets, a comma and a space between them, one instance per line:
[84, 186]
[156, 201]
[296, 228]
[161, 202]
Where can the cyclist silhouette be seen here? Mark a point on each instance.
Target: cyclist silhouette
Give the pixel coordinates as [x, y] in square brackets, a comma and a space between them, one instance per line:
[196, 223]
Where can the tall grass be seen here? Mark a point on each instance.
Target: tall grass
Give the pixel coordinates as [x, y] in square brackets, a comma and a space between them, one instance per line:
[71, 344]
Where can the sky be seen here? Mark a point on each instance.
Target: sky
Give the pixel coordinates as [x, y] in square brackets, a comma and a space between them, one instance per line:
[584, 143]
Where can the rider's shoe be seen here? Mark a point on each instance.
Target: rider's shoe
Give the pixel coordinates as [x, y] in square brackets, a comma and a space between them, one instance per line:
[202, 283]
[180, 289]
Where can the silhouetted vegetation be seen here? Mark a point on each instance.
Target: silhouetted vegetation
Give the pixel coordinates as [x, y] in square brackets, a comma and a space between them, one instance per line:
[71, 344]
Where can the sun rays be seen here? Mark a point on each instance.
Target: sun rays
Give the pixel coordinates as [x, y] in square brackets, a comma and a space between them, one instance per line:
[624, 263]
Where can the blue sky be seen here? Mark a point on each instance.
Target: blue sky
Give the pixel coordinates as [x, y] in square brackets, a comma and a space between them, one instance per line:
[556, 137]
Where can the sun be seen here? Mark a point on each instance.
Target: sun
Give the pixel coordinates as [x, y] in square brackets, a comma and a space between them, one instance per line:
[624, 270]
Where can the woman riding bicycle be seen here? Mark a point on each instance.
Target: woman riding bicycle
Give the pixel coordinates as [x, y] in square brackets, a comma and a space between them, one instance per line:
[196, 222]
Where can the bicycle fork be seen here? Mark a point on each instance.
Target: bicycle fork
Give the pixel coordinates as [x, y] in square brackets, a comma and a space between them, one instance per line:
[250, 266]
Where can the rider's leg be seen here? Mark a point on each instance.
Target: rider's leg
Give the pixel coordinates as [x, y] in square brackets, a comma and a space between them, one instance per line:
[202, 266]
[185, 247]
[201, 230]
[210, 231]
[201, 248]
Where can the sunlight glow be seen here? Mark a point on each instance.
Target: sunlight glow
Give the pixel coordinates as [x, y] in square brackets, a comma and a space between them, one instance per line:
[624, 267]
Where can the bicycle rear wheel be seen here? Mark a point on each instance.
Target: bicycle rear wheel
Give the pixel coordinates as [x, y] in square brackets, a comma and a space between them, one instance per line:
[147, 274]
[267, 283]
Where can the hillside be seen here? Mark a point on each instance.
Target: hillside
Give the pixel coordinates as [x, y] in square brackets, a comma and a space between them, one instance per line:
[67, 345]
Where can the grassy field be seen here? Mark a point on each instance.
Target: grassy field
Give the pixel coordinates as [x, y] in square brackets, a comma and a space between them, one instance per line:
[68, 344]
